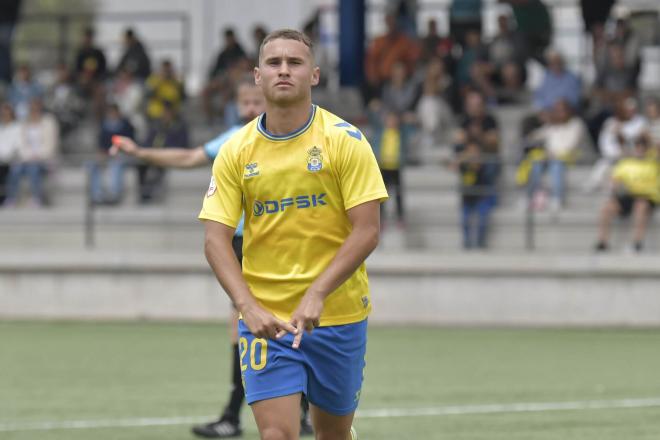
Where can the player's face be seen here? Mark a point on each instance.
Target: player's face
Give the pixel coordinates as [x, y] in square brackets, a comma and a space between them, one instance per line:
[286, 72]
[251, 102]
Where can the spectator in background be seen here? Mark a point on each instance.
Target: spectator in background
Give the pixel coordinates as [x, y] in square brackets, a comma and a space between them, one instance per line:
[135, 58]
[383, 53]
[433, 45]
[39, 142]
[534, 24]
[560, 138]
[8, 19]
[506, 54]
[595, 13]
[433, 114]
[616, 80]
[388, 151]
[400, 93]
[652, 114]
[112, 124]
[635, 191]
[473, 69]
[163, 89]
[167, 131]
[64, 100]
[229, 56]
[259, 33]
[10, 140]
[558, 83]
[631, 44]
[91, 71]
[616, 139]
[128, 93]
[23, 90]
[464, 15]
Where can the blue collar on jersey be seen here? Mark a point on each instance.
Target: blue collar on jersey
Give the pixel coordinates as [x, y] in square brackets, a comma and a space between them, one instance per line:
[261, 127]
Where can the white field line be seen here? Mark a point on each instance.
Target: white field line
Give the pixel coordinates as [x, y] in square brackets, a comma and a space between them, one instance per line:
[504, 408]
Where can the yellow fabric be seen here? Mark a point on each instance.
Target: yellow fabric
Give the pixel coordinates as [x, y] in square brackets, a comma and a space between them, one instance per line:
[390, 149]
[296, 193]
[525, 167]
[639, 177]
[163, 90]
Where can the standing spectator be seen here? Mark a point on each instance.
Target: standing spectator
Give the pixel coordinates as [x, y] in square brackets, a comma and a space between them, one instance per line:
[616, 139]
[10, 139]
[64, 100]
[558, 83]
[112, 124]
[464, 15]
[91, 71]
[23, 91]
[388, 152]
[8, 18]
[128, 94]
[229, 56]
[163, 89]
[135, 58]
[39, 142]
[167, 131]
[383, 53]
[595, 13]
[400, 93]
[635, 191]
[560, 137]
[534, 25]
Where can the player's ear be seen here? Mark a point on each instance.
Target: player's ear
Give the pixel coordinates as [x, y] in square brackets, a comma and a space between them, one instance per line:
[316, 74]
[257, 76]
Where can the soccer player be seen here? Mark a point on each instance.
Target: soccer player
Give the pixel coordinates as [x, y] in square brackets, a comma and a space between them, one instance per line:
[311, 189]
[250, 102]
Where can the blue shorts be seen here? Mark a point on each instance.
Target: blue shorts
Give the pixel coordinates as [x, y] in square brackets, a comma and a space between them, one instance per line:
[328, 367]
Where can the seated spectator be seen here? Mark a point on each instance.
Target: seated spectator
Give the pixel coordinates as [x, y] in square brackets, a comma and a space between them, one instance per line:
[113, 123]
[434, 46]
[388, 151]
[39, 142]
[558, 83]
[400, 93]
[10, 139]
[652, 114]
[90, 71]
[219, 83]
[433, 114]
[383, 53]
[464, 15]
[163, 89]
[473, 70]
[168, 131]
[506, 54]
[128, 93]
[616, 80]
[477, 194]
[22, 91]
[135, 58]
[616, 140]
[64, 100]
[625, 37]
[635, 190]
[560, 139]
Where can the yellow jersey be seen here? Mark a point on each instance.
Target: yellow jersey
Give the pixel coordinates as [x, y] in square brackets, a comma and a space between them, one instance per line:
[639, 176]
[390, 149]
[295, 190]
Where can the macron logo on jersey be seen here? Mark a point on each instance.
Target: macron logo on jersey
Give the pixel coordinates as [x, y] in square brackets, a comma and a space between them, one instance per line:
[298, 202]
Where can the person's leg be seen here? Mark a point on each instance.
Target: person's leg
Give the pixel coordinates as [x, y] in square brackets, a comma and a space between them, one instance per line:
[278, 418]
[14, 183]
[641, 211]
[116, 170]
[535, 177]
[35, 172]
[329, 426]
[484, 207]
[4, 173]
[398, 188]
[557, 176]
[609, 211]
[466, 216]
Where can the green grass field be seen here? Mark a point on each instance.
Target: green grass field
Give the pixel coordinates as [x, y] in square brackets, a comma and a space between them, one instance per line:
[111, 374]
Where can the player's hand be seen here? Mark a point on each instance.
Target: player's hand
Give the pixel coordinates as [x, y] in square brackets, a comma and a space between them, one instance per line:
[263, 324]
[307, 316]
[122, 143]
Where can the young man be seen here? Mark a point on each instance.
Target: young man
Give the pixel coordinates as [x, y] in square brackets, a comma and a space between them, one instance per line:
[250, 101]
[311, 189]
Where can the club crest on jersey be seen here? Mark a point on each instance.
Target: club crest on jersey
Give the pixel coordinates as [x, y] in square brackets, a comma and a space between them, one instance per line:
[314, 159]
[251, 170]
[212, 188]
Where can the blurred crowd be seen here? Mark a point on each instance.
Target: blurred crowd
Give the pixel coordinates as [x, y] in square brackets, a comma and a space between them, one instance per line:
[429, 96]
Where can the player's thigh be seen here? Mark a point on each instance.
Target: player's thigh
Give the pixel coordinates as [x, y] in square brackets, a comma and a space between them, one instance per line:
[329, 426]
[278, 418]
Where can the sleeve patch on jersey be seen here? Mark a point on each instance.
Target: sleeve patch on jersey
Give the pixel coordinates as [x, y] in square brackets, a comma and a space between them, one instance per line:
[353, 133]
[212, 188]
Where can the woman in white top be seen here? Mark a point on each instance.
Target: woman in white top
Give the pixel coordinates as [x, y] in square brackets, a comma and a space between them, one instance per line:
[561, 138]
[39, 141]
[9, 141]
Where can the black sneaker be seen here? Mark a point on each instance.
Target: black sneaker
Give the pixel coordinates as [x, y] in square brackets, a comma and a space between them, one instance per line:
[638, 247]
[306, 427]
[601, 246]
[219, 429]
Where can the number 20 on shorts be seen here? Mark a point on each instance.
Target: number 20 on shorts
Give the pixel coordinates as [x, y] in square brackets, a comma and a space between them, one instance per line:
[258, 345]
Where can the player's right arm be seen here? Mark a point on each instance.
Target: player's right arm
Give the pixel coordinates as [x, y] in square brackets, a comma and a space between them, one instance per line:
[163, 157]
[221, 211]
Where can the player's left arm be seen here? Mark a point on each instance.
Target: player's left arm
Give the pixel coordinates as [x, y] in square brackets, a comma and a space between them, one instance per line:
[362, 240]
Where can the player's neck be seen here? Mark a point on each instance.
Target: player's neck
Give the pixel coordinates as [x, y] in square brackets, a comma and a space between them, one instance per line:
[284, 120]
